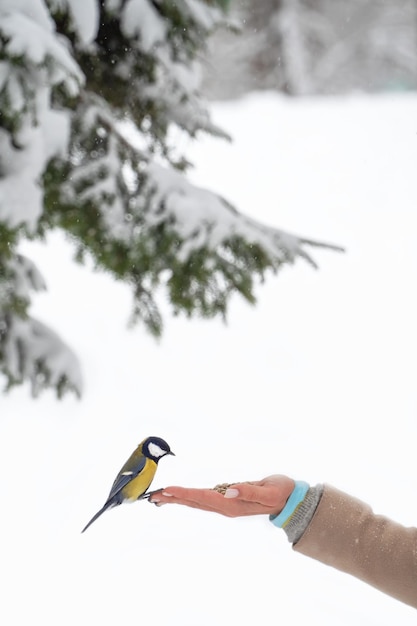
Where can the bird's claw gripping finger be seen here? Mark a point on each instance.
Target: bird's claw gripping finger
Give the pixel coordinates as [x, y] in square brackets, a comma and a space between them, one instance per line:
[148, 494]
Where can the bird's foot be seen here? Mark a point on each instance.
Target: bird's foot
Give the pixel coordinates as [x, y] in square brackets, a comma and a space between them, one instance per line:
[147, 495]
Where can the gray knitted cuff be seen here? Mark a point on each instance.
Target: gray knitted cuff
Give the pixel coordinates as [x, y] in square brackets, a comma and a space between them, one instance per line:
[303, 514]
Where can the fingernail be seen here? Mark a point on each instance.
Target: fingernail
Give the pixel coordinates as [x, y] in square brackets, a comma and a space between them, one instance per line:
[165, 493]
[231, 493]
[154, 500]
[158, 504]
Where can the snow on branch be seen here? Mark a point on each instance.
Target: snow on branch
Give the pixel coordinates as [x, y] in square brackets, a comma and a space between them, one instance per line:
[37, 48]
[26, 276]
[176, 78]
[83, 17]
[29, 351]
[21, 167]
[32, 352]
[18, 277]
[34, 61]
[155, 229]
[203, 219]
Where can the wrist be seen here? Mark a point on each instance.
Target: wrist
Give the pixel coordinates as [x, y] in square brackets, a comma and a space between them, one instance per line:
[302, 517]
[285, 491]
[294, 500]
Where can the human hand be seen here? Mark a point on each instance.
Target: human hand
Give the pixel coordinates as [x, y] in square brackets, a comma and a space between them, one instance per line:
[263, 497]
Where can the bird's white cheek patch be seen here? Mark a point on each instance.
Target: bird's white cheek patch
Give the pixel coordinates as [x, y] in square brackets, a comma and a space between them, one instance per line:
[155, 450]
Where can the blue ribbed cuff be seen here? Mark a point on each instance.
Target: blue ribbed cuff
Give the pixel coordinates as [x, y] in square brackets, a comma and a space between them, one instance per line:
[297, 496]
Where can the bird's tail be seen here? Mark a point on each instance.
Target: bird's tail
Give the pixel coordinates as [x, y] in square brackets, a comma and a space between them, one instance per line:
[108, 505]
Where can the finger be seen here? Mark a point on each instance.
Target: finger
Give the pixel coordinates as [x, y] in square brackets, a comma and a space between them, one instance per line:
[176, 495]
[204, 499]
[181, 493]
[266, 496]
[208, 500]
[205, 504]
[194, 505]
[247, 501]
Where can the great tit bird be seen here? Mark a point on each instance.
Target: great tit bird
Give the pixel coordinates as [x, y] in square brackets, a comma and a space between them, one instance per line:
[135, 477]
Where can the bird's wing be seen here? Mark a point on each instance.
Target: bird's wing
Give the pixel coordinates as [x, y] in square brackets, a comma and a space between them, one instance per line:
[126, 475]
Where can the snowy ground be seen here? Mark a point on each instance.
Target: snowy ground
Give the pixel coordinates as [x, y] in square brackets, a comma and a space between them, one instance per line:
[317, 381]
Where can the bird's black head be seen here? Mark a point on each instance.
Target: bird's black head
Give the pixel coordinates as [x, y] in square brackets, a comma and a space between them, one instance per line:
[155, 448]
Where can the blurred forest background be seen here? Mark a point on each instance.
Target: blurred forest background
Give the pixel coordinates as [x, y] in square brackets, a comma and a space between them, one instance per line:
[308, 47]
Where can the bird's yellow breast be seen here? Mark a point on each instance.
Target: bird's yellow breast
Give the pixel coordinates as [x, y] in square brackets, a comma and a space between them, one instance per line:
[137, 487]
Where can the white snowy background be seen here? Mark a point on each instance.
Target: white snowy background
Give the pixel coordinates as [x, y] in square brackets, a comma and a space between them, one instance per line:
[317, 381]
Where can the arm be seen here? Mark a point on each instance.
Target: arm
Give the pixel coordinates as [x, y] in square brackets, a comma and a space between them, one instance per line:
[346, 534]
[329, 526]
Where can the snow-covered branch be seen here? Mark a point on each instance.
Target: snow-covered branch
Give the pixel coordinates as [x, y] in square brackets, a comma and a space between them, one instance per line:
[203, 219]
[32, 352]
[73, 77]
[29, 351]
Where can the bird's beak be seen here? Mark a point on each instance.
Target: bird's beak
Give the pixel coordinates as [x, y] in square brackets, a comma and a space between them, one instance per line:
[171, 453]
